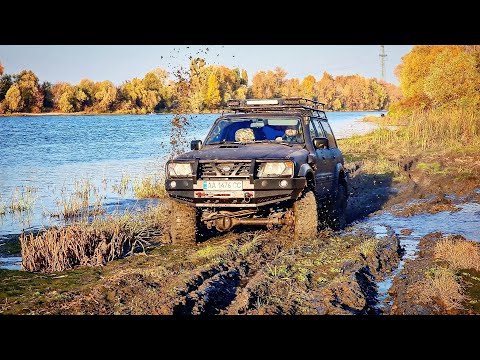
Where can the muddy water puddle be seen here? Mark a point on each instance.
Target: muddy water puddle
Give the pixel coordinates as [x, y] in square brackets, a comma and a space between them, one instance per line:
[411, 229]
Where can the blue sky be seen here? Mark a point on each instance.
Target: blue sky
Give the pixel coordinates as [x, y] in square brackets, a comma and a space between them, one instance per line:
[117, 63]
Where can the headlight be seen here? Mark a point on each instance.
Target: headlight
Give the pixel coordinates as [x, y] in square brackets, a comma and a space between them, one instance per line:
[276, 169]
[179, 169]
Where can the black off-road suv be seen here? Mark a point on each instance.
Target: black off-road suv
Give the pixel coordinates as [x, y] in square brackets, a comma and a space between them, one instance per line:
[272, 162]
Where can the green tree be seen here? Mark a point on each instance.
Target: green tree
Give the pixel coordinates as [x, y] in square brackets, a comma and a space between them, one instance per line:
[48, 99]
[213, 92]
[13, 99]
[5, 83]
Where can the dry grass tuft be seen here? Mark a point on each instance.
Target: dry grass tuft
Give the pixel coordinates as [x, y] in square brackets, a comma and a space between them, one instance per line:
[459, 253]
[93, 244]
[368, 247]
[441, 285]
[149, 187]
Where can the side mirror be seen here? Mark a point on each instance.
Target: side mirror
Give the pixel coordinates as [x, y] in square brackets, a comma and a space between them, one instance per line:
[320, 143]
[196, 144]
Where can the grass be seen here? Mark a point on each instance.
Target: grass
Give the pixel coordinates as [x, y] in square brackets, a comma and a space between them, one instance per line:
[23, 199]
[149, 187]
[368, 247]
[459, 254]
[433, 168]
[77, 204]
[440, 284]
[93, 244]
[428, 130]
[122, 187]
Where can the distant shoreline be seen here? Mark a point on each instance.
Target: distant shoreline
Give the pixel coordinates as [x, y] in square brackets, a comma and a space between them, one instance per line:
[159, 113]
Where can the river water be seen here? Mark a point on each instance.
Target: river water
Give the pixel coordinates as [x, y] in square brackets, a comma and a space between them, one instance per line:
[45, 156]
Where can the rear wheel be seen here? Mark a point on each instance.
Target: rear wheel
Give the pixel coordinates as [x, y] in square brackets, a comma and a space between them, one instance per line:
[336, 210]
[305, 216]
[183, 227]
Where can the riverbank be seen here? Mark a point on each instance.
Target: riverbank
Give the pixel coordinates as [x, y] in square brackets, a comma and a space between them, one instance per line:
[84, 113]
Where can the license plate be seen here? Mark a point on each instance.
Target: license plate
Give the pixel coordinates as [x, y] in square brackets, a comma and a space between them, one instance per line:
[222, 185]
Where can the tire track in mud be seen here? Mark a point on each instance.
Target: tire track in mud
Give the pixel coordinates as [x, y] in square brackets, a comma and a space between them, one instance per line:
[226, 287]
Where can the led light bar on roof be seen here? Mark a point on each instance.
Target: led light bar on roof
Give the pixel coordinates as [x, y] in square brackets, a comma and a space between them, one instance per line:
[262, 102]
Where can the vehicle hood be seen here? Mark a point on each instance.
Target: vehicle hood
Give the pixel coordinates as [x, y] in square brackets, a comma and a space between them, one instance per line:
[245, 152]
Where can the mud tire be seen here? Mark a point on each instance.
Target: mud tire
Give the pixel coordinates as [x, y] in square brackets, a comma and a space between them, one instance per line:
[305, 216]
[183, 227]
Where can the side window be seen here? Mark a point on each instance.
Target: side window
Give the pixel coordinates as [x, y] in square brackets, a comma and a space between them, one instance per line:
[328, 131]
[313, 130]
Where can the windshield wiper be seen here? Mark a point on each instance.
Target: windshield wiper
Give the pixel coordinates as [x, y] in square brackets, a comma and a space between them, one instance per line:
[223, 142]
[274, 142]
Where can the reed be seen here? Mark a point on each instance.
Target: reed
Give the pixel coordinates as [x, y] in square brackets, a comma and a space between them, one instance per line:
[92, 244]
[434, 129]
[150, 187]
[122, 187]
[23, 199]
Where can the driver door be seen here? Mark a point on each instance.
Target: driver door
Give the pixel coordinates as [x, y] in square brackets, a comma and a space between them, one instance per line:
[323, 173]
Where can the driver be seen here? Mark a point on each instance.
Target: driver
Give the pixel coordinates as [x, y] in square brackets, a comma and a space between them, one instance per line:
[291, 135]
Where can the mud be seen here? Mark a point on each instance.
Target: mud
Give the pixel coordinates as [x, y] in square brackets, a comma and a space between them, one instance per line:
[267, 272]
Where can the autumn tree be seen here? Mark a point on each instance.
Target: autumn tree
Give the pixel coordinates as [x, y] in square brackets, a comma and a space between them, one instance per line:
[105, 95]
[31, 94]
[89, 88]
[213, 98]
[13, 99]
[291, 88]
[1, 69]
[268, 84]
[307, 86]
[454, 79]
[71, 99]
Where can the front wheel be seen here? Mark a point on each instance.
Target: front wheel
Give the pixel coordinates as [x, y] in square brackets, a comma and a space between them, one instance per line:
[305, 216]
[183, 227]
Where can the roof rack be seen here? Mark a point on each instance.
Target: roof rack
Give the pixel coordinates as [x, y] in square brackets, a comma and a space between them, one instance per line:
[278, 104]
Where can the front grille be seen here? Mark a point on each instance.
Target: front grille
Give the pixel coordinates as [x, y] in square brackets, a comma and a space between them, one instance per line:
[225, 169]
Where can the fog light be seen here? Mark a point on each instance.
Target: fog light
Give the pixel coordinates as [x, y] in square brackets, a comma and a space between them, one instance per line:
[264, 183]
[173, 184]
[283, 183]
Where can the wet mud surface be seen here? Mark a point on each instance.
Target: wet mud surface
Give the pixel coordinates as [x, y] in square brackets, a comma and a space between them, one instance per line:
[367, 268]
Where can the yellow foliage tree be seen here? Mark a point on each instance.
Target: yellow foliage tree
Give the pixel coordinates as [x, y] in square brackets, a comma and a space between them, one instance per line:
[13, 99]
[454, 79]
[213, 98]
[307, 87]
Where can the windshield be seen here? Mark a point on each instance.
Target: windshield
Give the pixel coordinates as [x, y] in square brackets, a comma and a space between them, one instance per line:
[248, 130]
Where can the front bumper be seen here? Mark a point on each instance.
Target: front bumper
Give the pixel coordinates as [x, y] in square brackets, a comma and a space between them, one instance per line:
[259, 193]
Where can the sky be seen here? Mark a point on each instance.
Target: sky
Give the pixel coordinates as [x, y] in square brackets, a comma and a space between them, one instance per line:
[118, 63]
